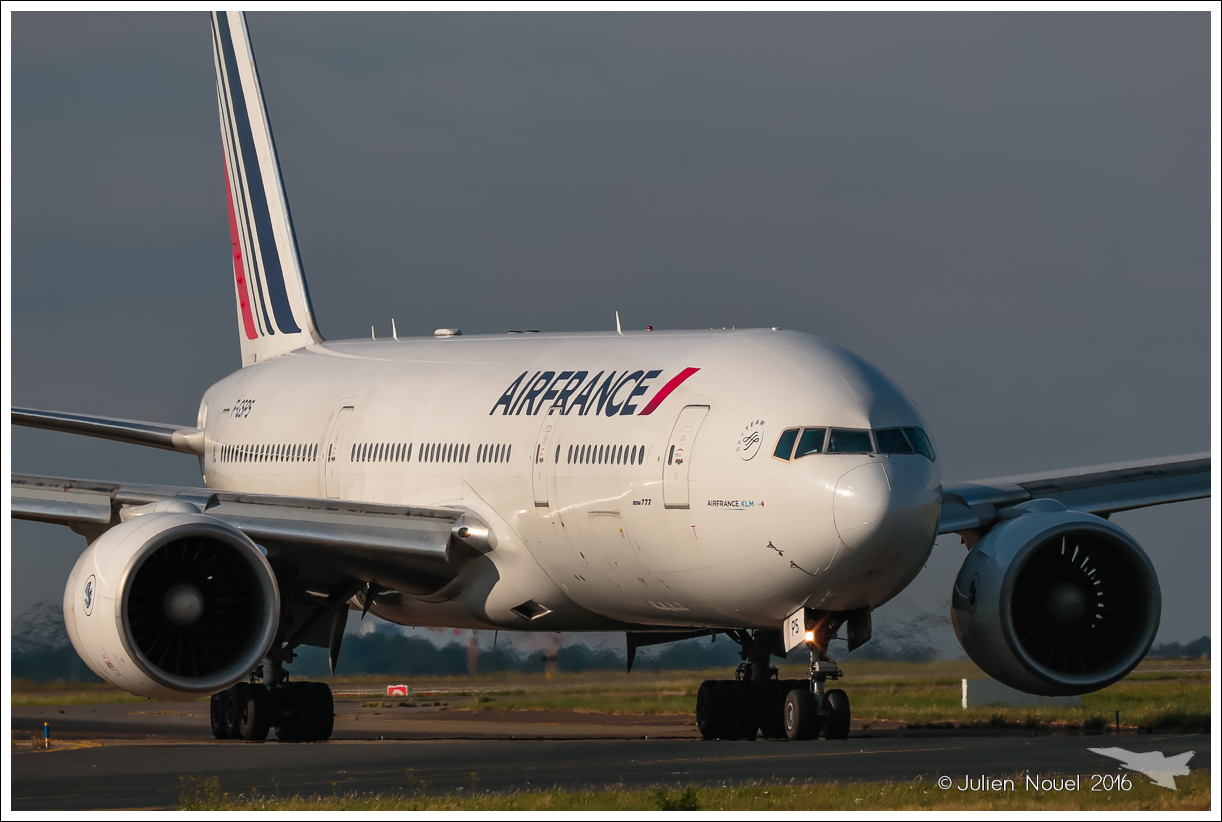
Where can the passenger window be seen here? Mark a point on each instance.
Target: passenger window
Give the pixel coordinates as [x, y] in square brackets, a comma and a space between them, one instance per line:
[811, 442]
[892, 441]
[921, 442]
[849, 441]
[784, 445]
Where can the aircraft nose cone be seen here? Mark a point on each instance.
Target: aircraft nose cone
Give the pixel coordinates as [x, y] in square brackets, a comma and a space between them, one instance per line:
[882, 510]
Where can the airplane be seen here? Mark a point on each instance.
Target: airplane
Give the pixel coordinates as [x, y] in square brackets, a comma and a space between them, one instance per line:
[760, 484]
[1161, 769]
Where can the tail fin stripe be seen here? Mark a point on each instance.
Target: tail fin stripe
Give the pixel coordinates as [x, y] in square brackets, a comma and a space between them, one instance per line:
[254, 186]
[239, 273]
[295, 250]
[275, 315]
[234, 176]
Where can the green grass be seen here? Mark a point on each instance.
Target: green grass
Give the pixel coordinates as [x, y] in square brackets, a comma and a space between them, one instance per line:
[73, 698]
[1160, 694]
[1182, 704]
[28, 693]
[1161, 704]
[606, 702]
[1193, 794]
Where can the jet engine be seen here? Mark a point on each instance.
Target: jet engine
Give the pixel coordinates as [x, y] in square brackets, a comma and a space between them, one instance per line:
[1056, 602]
[172, 605]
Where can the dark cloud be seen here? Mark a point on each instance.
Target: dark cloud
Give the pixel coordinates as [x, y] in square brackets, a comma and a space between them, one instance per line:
[1008, 214]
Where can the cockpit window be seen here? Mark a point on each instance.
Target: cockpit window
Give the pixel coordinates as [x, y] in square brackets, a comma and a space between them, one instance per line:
[852, 441]
[784, 445]
[892, 441]
[849, 441]
[811, 442]
[921, 442]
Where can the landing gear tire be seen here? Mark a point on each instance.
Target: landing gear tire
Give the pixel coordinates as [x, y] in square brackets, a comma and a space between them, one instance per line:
[839, 715]
[321, 710]
[727, 709]
[255, 715]
[746, 698]
[292, 717]
[236, 699]
[708, 710]
[772, 705]
[216, 715]
[305, 712]
[801, 716]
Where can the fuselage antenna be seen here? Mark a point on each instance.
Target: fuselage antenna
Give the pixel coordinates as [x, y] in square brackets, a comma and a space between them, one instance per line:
[618, 330]
[394, 332]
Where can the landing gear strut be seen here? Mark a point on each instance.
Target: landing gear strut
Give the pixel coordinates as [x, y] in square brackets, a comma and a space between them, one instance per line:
[757, 700]
[299, 711]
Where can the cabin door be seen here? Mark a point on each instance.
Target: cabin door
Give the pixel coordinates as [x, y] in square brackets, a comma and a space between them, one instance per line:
[333, 451]
[677, 459]
[545, 458]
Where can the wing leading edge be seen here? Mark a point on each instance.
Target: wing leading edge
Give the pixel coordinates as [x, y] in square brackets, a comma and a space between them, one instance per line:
[415, 549]
[1095, 489]
[182, 438]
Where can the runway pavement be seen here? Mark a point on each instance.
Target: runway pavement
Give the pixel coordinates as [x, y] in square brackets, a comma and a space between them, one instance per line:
[133, 756]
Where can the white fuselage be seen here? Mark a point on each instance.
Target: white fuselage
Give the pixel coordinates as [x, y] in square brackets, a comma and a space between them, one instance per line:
[597, 521]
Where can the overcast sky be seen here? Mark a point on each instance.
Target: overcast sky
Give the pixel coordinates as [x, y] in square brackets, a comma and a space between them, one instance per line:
[1009, 214]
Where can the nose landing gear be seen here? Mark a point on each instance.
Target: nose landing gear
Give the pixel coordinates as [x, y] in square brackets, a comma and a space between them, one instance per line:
[757, 700]
[813, 709]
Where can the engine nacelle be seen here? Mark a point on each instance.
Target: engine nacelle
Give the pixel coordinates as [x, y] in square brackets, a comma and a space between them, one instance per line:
[172, 605]
[1056, 602]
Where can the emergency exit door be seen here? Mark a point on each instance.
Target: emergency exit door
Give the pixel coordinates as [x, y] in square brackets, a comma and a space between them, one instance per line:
[333, 451]
[540, 470]
[678, 457]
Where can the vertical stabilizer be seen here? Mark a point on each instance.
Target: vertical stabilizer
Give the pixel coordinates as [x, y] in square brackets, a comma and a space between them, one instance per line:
[274, 311]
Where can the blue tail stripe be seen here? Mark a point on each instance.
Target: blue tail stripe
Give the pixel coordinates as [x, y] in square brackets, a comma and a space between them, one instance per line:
[258, 197]
[288, 212]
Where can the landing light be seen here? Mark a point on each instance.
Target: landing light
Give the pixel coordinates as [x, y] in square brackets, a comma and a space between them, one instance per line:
[810, 636]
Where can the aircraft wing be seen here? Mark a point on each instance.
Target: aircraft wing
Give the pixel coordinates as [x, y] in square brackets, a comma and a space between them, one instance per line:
[182, 438]
[412, 549]
[1096, 489]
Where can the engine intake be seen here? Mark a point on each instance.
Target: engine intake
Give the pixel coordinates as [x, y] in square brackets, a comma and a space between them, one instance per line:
[1056, 602]
[172, 605]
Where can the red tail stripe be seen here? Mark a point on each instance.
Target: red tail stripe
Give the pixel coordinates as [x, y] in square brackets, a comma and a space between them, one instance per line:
[675, 382]
[239, 270]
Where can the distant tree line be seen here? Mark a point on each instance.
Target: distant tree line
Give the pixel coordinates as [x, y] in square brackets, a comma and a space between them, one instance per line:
[1189, 650]
[391, 652]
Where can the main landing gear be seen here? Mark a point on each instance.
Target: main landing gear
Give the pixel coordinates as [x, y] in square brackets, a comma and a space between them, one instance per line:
[299, 711]
[756, 700]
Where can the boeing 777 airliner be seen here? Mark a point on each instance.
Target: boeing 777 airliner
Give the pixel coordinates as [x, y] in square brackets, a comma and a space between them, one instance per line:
[763, 484]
